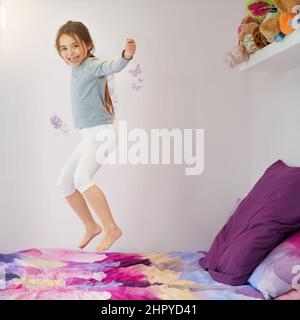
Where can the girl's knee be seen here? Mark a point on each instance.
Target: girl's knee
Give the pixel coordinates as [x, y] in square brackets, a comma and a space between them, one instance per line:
[82, 184]
[64, 187]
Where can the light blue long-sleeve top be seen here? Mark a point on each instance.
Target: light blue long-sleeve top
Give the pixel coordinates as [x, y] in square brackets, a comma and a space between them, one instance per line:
[88, 90]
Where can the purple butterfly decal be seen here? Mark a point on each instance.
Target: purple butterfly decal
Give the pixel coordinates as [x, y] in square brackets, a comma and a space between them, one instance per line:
[57, 123]
[136, 87]
[136, 71]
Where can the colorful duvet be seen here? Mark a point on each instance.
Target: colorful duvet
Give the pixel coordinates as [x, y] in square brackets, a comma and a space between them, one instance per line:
[45, 274]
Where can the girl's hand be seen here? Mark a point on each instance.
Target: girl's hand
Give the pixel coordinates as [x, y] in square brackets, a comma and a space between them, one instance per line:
[130, 48]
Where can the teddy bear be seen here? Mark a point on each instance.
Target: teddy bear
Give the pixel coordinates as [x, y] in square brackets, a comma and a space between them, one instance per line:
[250, 40]
[270, 26]
[289, 9]
[238, 54]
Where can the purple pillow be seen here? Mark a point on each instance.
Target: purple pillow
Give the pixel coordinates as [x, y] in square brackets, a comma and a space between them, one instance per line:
[268, 214]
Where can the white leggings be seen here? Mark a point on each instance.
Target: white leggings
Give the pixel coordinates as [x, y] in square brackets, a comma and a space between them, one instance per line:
[86, 159]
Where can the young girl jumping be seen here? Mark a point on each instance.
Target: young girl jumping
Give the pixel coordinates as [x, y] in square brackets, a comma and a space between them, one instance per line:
[93, 111]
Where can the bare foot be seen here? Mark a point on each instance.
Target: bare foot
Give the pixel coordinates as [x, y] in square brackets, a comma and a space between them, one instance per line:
[89, 235]
[110, 236]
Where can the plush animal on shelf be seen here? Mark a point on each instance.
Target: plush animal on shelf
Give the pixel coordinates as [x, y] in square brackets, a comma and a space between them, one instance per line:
[237, 56]
[270, 26]
[259, 9]
[295, 23]
[265, 22]
[250, 40]
[247, 19]
[288, 9]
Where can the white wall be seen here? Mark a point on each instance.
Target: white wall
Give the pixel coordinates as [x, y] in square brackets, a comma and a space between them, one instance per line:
[180, 47]
[275, 118]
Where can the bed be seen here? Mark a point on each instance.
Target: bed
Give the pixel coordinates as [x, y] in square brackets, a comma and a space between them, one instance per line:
[55, 274]
[255, 256]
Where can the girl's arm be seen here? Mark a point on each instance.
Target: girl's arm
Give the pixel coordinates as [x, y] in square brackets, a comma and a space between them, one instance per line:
[105, 68]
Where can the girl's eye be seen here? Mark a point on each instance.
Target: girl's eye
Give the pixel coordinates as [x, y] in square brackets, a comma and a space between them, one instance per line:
[74, 46]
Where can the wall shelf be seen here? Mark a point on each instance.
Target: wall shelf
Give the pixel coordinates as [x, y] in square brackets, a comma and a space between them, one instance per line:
[276, 57]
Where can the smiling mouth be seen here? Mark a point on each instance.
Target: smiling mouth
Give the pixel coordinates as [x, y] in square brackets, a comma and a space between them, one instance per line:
[74, 60]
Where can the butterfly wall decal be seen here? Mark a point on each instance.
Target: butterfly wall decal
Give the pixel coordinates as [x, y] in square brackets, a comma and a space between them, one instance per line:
[136, 87]
[57, 123]
[136, 71]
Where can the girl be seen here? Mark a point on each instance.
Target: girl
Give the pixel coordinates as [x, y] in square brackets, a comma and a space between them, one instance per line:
[93, 111]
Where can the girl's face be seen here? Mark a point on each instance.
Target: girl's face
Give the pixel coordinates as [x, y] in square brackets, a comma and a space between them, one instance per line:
[73, 51]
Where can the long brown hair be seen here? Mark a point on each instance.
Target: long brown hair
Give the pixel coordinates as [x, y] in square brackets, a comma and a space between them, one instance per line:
[77, 28]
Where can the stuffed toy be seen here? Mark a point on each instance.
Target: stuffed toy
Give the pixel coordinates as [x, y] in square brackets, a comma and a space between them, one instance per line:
[247, 19]
[264, 22]
[295, 23]
[288, 9]
[259, 9]
[270, 26]
[237, 56]
[250, 40]
[287, 6]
